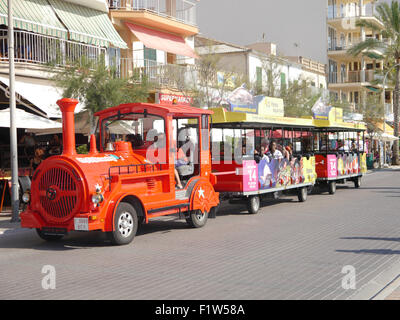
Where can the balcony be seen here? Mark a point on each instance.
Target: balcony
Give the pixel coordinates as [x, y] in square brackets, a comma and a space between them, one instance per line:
[344, 18]
[312, 65]
[342, 45]
[178, 16]
[173, 76]
[351, 77]
[337, 49]
[158, 74]
[35, 50]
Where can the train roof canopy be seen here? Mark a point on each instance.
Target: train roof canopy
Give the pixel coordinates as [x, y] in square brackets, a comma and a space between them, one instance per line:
[227, 119]
[333, 126]
[176, 110]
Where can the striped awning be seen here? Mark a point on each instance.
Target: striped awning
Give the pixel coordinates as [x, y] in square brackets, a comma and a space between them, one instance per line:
[34, 15]
[162, 40]
[87, 25]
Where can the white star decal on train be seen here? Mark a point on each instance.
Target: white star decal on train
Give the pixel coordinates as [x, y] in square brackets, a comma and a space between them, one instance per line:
[201, 193]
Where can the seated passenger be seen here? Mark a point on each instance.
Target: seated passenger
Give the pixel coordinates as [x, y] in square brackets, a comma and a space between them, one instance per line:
[288, 153]
[273, 152]
[156, 152]
[180, 160]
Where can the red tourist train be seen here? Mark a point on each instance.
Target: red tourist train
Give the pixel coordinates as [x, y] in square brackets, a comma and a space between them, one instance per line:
[124, 183]
[151, 160]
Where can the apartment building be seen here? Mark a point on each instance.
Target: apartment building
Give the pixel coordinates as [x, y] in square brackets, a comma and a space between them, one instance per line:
[351, 78]
[160, 38]
[256, 59]
[49, 30]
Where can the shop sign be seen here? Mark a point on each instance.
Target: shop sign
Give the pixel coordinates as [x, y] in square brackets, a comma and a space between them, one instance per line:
[166, 98]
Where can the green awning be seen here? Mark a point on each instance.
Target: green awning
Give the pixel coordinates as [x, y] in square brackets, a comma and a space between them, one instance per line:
[373, 55]
[104, 22]
[373, 89]
[87, 25]
[34, 15]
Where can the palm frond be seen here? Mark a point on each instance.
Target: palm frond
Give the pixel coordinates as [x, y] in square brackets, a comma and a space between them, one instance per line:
[368, 44]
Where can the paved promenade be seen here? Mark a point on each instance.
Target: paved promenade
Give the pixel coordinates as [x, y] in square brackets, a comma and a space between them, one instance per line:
[290, 250]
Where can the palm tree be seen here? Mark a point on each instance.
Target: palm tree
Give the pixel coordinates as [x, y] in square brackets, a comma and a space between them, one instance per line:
[98, 86]
[389, 50]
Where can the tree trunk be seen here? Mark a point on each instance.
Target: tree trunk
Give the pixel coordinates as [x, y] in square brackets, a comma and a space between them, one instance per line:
[396, 116]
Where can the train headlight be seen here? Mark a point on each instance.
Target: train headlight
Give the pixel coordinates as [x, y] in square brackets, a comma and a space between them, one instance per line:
[97, 198]
[26, 197]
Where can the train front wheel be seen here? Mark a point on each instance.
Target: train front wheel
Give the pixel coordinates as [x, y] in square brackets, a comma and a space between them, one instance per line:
[125, 224]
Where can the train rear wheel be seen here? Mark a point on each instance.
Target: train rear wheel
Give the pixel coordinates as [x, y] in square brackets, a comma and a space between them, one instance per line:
[332, 187]
[302, 194]
[125, 224]
[357, 182]
[197, 219]
[253, 204]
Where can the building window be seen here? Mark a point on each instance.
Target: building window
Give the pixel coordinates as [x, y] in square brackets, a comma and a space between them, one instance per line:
[332, 39]
[259, 79]
[283, 80]
[356, 97]
[150, 54]
[331, 9]
[332, 71]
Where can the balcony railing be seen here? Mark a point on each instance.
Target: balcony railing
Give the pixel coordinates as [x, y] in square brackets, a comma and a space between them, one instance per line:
[159, 74]
[182, 77]
[40, 49]
[180, 10]
[312, 65]
[351, 10]
[338, 45]
[352, 77]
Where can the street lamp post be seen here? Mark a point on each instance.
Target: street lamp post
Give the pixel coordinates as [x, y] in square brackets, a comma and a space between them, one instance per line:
[13, 128]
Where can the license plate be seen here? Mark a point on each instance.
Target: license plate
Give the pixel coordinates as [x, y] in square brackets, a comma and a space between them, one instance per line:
[81, 224]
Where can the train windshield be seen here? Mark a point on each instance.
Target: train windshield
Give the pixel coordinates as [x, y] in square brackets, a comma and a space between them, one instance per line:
[139, 129]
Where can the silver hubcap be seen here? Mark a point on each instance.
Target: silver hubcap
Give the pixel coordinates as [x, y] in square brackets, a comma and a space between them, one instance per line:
[256, 203]
[200, 215]
[125, 224]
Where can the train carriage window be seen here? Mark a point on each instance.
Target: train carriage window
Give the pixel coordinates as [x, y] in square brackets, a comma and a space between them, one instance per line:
[316, 144]
[248, 143]
[217, 144]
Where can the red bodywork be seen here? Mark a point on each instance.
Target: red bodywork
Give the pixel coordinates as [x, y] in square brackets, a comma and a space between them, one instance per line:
[62, 186]
[321, 166]
[227, 177]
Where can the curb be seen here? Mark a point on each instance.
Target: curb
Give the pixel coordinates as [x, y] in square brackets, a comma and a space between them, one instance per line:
[380, 287]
